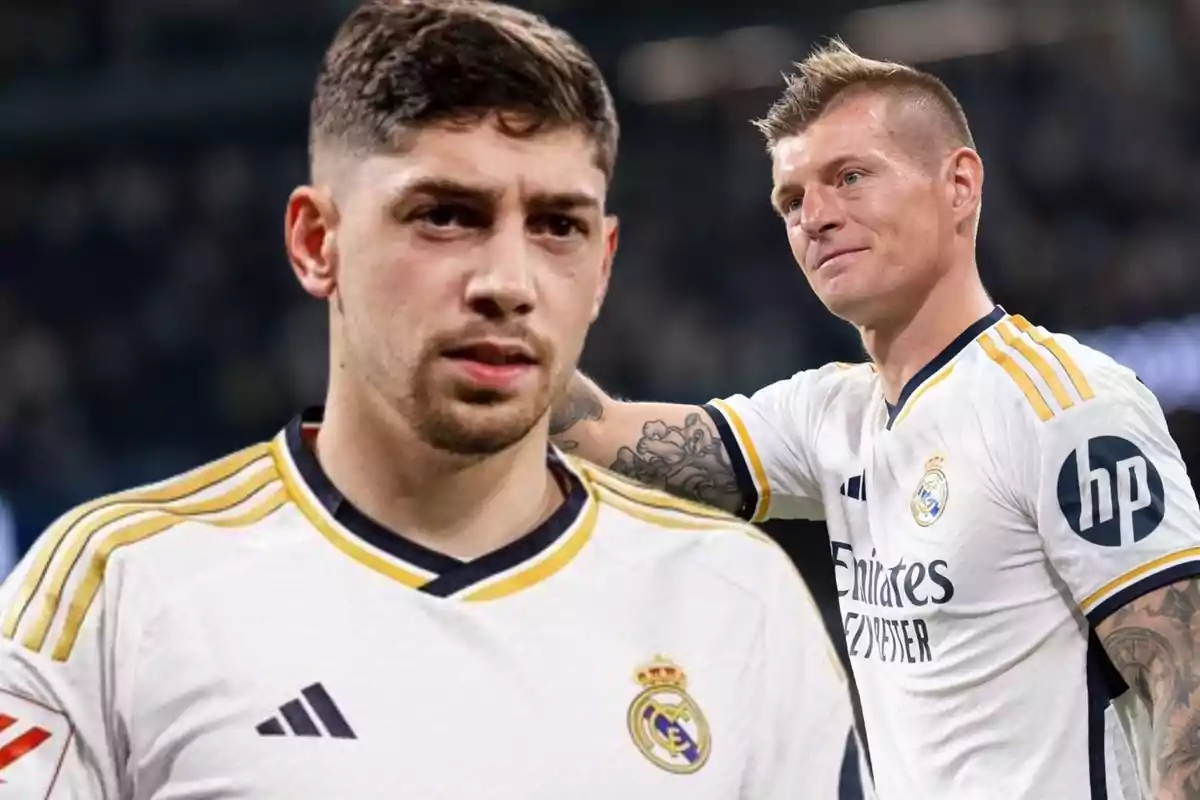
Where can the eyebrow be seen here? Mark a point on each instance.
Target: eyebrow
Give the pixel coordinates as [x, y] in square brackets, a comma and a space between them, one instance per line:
[446, 189]
[563, 201]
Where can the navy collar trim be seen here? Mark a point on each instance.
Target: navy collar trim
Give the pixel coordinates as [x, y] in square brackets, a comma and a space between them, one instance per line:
[942, 359]
[452, 575]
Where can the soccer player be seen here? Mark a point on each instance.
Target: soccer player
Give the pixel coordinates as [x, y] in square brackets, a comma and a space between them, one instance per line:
[1015, 538]
[412, 595]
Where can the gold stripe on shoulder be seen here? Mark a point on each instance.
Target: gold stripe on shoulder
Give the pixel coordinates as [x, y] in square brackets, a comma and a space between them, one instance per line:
[652, 498]
[661, 519]
[177, 488]
[1049, 376]
[1046, 340]
[85, 594]
[1023, 381]
[85, 533]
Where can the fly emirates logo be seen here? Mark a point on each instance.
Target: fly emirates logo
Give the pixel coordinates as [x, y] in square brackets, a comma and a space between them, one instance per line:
[891, 593]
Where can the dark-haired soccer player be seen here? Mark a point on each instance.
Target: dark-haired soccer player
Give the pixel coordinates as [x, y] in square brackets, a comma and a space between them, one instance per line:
[409, 594]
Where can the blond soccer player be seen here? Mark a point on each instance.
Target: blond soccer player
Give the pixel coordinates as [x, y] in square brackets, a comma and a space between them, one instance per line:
[409, 594]
[1015, 537]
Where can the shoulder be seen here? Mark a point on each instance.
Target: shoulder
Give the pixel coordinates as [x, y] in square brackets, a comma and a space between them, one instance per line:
[1038, 377]
[1044, 400]
[88, 554]
[840, 379]
[654, 524]
[817, 384]
[841, 382]
[805, 398]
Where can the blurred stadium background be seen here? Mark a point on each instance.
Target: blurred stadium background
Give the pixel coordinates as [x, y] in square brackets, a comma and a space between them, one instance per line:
[149, 321]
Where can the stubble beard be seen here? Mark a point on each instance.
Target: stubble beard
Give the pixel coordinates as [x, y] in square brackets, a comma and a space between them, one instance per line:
[473, 422]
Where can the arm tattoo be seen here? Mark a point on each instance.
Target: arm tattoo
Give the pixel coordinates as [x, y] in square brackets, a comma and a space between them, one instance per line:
[578, 404]
[689, 461]
[1155, 643]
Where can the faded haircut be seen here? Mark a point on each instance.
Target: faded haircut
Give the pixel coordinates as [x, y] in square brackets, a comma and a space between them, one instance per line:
[834, 71]
[397, 66]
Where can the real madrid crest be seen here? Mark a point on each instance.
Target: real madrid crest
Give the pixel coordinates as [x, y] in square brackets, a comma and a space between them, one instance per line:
[929, 500]
[666, 724]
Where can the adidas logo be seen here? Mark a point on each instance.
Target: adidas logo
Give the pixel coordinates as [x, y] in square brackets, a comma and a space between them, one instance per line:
[296, 714]
[855, 488]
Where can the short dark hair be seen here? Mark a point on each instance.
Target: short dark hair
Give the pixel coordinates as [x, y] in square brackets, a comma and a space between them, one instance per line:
[834, 70]
[396, 66]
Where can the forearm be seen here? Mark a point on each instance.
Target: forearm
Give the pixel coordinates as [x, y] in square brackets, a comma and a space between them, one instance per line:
[671, 447]
[1155, 643]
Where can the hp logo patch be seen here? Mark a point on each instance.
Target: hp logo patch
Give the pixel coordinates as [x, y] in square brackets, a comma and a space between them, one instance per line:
[1110, 493]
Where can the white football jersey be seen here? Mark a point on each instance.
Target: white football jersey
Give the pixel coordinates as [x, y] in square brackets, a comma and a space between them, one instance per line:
[243, 631]
[1023, 488]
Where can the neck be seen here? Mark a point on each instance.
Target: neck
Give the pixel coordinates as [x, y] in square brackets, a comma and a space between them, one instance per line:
[462, 506]
[901, 347]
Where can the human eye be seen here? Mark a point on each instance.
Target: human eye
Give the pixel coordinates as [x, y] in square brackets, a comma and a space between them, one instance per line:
[851, 177]
[558, 226]
[445, 216]
[787, 205]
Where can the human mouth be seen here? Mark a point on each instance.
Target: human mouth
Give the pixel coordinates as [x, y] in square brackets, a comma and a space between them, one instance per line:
[493, 364]
[836, 257]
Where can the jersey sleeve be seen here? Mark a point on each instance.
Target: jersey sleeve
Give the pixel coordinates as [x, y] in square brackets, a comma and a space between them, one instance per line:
[770, 437]
[1114, 505]
[805, 719]
[59, 730]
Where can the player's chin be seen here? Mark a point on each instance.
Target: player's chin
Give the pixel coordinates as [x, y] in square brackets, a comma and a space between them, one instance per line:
[482, 423]
[849, 302]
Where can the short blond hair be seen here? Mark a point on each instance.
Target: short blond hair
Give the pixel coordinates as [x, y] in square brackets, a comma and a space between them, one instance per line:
[833, 70]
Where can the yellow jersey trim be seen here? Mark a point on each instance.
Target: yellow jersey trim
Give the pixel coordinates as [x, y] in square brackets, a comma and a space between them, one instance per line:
[561, 554]
[1049, 376]
[929, 384]
[1019, 377]
[172, 490]
[671, 518]
[166, 519]
[654, 498]
[1133, 575]
[341, 541]
[103, 524]
[569, 544]
[752, 458]
[1078, 379]
[660, 518]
